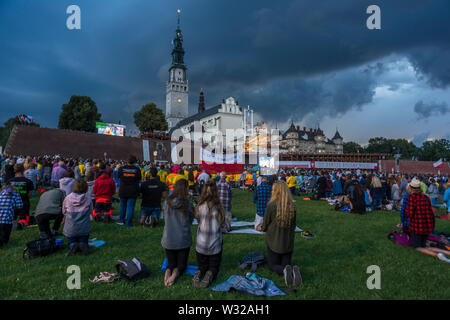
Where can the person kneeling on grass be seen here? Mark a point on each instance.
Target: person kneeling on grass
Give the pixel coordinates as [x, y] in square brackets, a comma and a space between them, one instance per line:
[177, 235]
[104, 189]
[152, 191]
[10, 200]
[77, 208]
[49, 208]
[421, 221]
[279, 225]
[211, 221]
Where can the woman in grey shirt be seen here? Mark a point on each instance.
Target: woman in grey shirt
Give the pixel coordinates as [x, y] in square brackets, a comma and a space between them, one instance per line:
[177, 235]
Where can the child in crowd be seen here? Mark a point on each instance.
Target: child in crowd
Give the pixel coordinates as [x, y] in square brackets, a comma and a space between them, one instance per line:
[10, 200]
[421, 221]
[177, 236]
[279, 224]
[77, 208]
[211, 220]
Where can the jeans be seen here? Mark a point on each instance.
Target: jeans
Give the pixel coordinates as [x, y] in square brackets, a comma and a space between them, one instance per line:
[147, 211]
[43, 222]
[80, 239]
[127, 210]
[376, 203]
[277, 261]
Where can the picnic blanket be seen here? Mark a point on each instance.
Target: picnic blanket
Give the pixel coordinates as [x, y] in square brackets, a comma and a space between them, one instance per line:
[96, 243]
[253, 231]
[234, 224]
[189, 269]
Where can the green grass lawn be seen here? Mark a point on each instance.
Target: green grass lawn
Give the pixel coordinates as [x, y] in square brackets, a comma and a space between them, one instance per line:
[333, 265]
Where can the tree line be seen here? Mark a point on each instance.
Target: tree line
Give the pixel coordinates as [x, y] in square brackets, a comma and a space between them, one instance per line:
[429, 151]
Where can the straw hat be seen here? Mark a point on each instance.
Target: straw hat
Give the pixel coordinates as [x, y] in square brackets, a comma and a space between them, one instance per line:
[415, 184]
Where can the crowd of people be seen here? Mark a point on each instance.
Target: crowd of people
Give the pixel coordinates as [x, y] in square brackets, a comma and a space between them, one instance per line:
[78, 192]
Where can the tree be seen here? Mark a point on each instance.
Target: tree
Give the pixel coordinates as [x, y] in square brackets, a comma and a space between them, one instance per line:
[435, 150]
[352, 147]
[393, 146]
[79, 114]
[150, 118]
[8, 126]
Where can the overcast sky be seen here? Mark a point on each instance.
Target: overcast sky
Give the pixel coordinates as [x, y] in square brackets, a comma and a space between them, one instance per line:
[310, 61]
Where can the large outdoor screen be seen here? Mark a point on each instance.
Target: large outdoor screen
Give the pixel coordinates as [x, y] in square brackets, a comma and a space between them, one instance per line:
[110, 129]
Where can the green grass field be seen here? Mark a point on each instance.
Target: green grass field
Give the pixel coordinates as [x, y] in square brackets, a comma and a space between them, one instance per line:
[333, 265]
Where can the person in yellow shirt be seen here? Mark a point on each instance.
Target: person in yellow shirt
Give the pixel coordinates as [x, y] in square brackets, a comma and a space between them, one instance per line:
[180, 175]
[82, 169]
[170, 181]
[292, 182]
[162, 174]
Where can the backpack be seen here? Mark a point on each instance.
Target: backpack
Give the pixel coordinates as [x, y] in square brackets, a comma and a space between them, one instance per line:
[39, 248]
[400, 238]
[149, 221]
[132, 270]
[253, 259]
[339, 205]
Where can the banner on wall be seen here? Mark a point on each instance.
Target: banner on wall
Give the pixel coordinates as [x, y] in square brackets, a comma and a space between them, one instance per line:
[328, 165]
[146, 150]
[216, 163]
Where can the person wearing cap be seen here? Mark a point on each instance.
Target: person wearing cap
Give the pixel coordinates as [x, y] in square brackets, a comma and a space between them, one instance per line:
[421, 222]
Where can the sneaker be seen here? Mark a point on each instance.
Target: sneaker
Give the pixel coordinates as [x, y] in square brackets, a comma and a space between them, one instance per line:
[120, 223]
[196, 279]
[297, 276]
[288, 279]
[73, 250]
[207, 280]
[108, 218]
[84, 248]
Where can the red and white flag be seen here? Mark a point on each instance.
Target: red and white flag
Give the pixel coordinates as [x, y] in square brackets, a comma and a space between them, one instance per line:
[438, 164]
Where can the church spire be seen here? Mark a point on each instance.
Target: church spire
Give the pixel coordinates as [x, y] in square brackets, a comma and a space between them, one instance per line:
[178, 51]
[201, 102]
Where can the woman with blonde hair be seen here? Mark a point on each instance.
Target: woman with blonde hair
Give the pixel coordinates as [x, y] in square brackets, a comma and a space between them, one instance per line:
[279, 226]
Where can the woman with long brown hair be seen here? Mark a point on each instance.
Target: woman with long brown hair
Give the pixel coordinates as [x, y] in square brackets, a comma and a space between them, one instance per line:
[177, 236]
[279, 225]
[211, 219]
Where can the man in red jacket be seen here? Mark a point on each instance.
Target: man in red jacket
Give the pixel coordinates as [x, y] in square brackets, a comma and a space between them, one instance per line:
[104, 189]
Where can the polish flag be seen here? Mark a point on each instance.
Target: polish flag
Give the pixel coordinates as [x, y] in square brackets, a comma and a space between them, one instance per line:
[438, 164]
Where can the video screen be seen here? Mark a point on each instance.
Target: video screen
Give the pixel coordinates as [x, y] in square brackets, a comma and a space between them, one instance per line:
[110, 129]
[268, 166]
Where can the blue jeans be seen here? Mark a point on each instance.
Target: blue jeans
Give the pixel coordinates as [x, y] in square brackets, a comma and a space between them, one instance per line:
[376, 203]
[147, 211]
[127, 210]
[72, 240]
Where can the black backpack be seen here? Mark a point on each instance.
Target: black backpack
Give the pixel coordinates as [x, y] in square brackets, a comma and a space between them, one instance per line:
[132, 270]
[39, 248]
[253, 259]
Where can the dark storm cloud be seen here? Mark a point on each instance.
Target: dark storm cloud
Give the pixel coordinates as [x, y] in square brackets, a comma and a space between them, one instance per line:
[285, 58]
[426, 110]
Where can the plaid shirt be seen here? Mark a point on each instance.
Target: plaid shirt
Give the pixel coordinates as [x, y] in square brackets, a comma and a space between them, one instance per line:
[420, 214]
[9, 201]
[209, 233]
[261, 196]
[224, 194]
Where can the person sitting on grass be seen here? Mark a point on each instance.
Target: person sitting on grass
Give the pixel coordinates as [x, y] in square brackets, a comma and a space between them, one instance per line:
[177, 235]
[77, 208]
[211, 220]
[421, 221]
[279, 225]
[10, 201]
